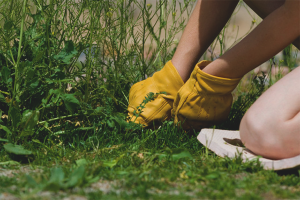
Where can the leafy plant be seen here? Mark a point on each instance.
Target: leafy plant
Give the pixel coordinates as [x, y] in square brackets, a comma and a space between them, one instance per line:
[42, 80]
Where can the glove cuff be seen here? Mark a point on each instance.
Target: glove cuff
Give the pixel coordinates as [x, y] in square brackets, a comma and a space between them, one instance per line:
[212, 84]
[168, 80]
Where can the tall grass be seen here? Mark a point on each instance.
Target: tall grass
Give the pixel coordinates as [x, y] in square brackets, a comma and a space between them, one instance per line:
[42, 80]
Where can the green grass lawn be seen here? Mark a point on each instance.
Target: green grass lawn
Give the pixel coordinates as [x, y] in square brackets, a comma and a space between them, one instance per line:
[151, 164]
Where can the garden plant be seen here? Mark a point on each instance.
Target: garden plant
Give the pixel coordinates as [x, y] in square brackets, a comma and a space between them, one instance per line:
[66, 67]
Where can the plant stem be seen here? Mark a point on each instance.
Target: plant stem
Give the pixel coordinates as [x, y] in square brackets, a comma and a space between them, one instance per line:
[16, 85]
[54, 119]
[89, 63]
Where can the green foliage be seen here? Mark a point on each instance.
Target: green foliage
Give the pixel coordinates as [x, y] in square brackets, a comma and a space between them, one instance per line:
[176, 154]
[67, 53]
[6, 129]
[18, 152]
[119, 172]
[42, 81]
[28, 122]
[16, 149]
[9, 163]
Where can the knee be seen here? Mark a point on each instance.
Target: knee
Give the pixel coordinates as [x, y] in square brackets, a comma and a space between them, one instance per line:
[251, 130]
[258, 135]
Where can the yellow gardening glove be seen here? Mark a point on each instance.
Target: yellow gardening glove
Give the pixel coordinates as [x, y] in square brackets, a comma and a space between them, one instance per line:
[204, 99]
[166, 80]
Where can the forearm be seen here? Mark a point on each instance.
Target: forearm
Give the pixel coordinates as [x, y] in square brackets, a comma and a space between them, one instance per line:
[264, 8]
[204, 25]
[296, 43]
[278, 30]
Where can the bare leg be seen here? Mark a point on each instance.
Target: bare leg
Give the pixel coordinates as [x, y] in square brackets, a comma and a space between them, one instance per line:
[206, 22]
[278, 30]
[271, 127]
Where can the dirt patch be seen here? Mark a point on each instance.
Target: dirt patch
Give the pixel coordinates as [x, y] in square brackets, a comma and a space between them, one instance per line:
[7, 196]
[75, 197]
[22, 170]
[240, 176]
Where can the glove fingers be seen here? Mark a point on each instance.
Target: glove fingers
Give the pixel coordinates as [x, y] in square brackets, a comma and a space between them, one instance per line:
[148, 111]
[154, 112]
[138, 92]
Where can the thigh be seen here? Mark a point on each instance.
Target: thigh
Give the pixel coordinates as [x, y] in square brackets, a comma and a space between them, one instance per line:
[271, 127]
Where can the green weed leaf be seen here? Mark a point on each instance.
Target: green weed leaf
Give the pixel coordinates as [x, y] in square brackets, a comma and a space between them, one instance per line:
[6, 129]
[177, 154]
[8, 25]
[9, 163]
[76, 178]
[30, 181]
[2, 98]
[212, 176]
[16, 149]
[37, 17]
[112, 163]
[91, 179]
[99, 110]
[121, 122]
[29, 120]
[59, 75]
[38, 142]
[110, 123]
[81, 162]
[5, 73]
[38, 57]
[34, 83]
[71, 102]
[183, 154]
[15, 115]
[4, 140]
[67, 53]
[55, 182]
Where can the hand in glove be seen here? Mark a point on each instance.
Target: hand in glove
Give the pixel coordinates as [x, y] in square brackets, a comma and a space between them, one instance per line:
[167, 81]
[204, 99]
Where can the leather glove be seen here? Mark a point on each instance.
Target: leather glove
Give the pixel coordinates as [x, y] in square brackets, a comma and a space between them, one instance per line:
[166, 80]
[204, 99]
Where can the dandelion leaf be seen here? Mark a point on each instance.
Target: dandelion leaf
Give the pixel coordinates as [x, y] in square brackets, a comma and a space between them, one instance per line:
[71, 102]
[16, 149]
